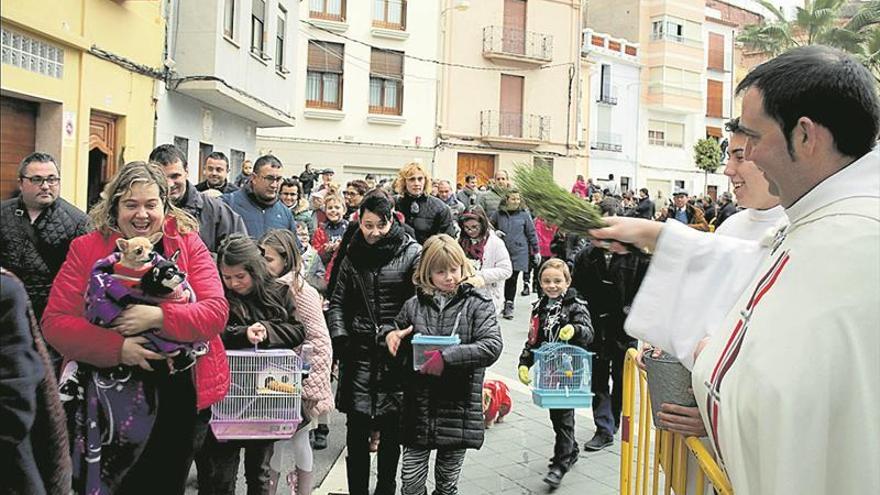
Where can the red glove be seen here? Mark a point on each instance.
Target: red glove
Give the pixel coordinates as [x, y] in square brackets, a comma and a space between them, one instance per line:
[434, 364]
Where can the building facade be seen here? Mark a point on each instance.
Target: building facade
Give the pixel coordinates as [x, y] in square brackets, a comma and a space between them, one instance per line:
[366, 88]
[510, 89]
[232, 71]
[78, 90]
[612, 90]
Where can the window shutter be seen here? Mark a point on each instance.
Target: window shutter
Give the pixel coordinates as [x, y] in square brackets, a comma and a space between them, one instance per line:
[325, 57]
[716, 51]
[386, 64]
[714, 98]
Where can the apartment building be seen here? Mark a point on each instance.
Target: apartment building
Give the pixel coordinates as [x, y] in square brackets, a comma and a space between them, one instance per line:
[75, 89]
[612, 93]
[509, 88]
[232, 69]
[366, 88]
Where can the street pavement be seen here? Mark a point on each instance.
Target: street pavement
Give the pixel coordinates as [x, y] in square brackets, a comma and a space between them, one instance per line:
[515, 454]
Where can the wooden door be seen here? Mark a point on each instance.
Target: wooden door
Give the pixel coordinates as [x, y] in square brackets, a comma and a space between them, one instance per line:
[514, 32]
[481, 165]
[511, 117]
[102, 153]
[18, 135]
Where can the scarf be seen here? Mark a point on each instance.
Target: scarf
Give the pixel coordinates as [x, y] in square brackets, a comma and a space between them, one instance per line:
[474, 248]
[374, 256]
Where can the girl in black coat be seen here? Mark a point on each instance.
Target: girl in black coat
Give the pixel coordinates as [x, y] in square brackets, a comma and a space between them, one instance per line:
[443, 398]
[261, 314]
[558, 315]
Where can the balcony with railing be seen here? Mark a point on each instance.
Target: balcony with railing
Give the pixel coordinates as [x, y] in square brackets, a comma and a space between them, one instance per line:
[516, 45]
[607, 141]
[607, 98]
[516, 130]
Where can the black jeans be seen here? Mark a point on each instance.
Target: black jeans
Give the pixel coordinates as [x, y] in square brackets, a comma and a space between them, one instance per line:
[510, 287]
[223, 458]
[565, 450]
[357, 439]
[164, 465]
[607, 404]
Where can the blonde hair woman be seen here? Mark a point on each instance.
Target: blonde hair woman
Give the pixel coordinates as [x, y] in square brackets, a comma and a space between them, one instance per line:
[426, 214]
[135, 204]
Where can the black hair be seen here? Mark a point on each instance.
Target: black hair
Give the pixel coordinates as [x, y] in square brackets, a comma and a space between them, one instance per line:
[292, 182]
[732, 126]
[269, 160]
[645, 190]
[379, 204]
[468, 177]
[166, 154]
[218, 155]
[825, 85]
[369, 177]
[39, 158]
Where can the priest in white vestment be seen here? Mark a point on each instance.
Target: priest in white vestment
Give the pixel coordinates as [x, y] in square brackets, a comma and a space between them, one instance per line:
[789, 383]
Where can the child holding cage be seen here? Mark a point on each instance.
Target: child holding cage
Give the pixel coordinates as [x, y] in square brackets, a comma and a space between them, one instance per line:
[559, 315]
[442, 399]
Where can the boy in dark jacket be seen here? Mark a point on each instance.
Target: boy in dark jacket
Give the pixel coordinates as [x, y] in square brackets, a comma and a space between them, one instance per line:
[559, 315]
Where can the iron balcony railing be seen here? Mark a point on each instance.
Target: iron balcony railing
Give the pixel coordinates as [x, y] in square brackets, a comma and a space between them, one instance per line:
[607, 141]
[514, 125]
[511, 41]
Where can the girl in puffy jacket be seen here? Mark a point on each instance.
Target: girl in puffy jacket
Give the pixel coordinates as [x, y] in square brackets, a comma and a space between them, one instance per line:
[329, 234]
[559, 315]
[262, 314]
[442, 398]
[283, 261]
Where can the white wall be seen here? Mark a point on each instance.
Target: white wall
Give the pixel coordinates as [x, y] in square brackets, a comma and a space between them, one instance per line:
[182, 116]
[412, 136]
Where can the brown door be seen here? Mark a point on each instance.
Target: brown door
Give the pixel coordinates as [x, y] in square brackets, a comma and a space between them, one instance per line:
[18, 134]
[102, 153]
[483, 166]
[511, 118]
[514, 35]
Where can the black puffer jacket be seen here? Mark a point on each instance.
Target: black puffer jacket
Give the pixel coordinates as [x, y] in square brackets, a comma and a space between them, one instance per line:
[447, 411]
[609, 284]
[430, 216]
[366, 384]
[544, 327]
[35, 252]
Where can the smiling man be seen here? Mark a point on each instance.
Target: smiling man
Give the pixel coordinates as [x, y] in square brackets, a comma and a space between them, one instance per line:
[216, 219]
[216, 171]
[36, 227]
[787, 384]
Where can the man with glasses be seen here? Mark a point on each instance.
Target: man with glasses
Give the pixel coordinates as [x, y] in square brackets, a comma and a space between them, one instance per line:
[36, 228]
[258, 201]
[216, 219]
[354, 195]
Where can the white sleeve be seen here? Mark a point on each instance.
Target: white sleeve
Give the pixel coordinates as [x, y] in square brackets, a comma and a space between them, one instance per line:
[693, 281]
[501, 268]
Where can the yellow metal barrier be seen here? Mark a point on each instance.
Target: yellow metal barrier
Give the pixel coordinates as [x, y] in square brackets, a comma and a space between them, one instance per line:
[642, 466]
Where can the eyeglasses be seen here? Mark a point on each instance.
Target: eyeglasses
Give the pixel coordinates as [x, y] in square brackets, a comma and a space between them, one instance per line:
[272, 178]
[38, 180]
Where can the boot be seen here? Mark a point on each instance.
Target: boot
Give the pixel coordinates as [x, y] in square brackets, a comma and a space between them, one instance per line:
[554, 477]
[526, 290]
[321, 433]
[304, 480]
[507, 314]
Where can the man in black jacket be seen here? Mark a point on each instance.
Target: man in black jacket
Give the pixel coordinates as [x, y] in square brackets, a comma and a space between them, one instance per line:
[609, 282]
[726, 208]
[645, 207]
[36, 229]
[216, 219]
[217, 175]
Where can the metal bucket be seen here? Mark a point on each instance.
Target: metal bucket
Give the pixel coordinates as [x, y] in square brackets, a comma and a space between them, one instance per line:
[668, 382]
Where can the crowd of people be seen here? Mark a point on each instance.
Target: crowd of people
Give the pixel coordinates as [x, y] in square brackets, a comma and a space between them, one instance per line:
[353, 272]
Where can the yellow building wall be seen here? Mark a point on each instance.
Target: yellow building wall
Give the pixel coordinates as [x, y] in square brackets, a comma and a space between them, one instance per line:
[134, 30]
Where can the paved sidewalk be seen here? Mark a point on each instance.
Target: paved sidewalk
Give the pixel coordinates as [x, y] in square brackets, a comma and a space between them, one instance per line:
[515, 455]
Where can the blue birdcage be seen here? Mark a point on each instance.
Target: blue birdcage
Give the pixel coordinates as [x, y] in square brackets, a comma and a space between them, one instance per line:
[562, 375]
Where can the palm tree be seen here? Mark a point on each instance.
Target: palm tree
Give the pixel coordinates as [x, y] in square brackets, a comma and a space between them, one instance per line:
[820, 22]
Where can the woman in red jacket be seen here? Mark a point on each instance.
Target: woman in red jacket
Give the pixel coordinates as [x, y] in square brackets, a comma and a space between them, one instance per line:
[135, 204]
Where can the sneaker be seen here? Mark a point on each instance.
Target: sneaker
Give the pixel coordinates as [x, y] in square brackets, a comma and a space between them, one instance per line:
[599, 441]
[507, 314]
[321, 433]
[526, 290]
[554, 477]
